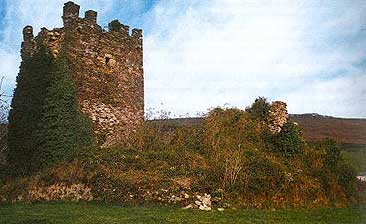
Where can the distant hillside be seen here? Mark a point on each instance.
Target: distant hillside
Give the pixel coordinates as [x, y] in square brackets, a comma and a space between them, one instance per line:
[344, 130]
[315, 126]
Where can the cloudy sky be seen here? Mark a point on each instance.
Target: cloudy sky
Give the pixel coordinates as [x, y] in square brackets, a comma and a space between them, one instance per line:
[201, 54]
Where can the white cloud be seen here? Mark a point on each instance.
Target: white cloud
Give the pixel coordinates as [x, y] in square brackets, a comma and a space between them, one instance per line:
[205, 54]
[342, 97]
[9, 64]
[200, 54]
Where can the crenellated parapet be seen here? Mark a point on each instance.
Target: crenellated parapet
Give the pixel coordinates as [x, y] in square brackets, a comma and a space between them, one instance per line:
[137, 36]
[76, 26]
[28, 44]
[70, 13]
[28, 34]
[72, 22]
[91, 16]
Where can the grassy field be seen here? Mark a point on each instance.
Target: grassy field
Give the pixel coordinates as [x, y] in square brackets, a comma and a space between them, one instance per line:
[357, 155]
[46, 213]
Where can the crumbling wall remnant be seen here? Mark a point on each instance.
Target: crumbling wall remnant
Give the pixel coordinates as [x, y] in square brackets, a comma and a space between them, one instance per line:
[278, 116]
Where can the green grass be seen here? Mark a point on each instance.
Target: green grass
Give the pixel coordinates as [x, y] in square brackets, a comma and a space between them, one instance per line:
[46, 213]
[357, 155]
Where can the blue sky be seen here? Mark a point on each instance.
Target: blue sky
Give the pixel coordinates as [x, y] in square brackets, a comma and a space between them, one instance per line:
[201, 54]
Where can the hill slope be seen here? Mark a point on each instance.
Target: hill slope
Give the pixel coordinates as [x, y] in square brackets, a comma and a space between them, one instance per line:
[315, 127]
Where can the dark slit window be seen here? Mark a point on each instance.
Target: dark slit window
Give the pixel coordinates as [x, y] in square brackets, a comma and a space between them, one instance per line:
[107, 59]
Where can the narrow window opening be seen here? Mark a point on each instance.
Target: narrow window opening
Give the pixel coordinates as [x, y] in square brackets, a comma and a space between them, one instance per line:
[107, 59]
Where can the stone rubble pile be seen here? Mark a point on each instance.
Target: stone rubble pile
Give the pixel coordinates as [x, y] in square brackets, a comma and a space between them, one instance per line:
[201, 202]
[186, 199]
[204, 202]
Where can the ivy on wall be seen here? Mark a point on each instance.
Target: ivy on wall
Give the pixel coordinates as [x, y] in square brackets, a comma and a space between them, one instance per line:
[26, 109]
[62, 128]
[45, 122]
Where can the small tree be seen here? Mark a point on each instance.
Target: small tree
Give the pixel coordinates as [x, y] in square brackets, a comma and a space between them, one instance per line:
[115, 25]
[259, 109]
[4, 110]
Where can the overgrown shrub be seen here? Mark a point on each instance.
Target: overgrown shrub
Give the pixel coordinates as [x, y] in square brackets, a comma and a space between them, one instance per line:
[337, 176]
[261, 173]
[289, 142]
[332, 152]
[229, 133]
[231, 152]
[346, 178]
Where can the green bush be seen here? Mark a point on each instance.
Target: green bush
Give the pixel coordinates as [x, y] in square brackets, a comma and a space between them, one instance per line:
[347, 178]
[289, 141]
[259, 109]
[260, 174]
[332, 152]
[338, 177]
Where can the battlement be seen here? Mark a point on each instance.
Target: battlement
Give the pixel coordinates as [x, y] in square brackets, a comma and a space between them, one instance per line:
[70, 12]
[91, 16]
[137, 33]
[71, 20]
[28, 33]
[28, 44]
[76, 26]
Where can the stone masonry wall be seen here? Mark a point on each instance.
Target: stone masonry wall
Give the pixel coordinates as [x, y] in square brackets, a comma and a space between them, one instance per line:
[107, 68]
[277, 116]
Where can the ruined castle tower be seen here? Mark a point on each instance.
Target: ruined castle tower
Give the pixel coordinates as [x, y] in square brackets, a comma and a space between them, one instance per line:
[107, 68]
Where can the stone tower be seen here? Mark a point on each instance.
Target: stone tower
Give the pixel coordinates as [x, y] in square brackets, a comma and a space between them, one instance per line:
[107, 68]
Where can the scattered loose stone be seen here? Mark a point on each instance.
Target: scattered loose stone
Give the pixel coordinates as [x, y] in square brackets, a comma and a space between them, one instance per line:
[204, 208]
[203, 202]
[188, 206]
[186, 196]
